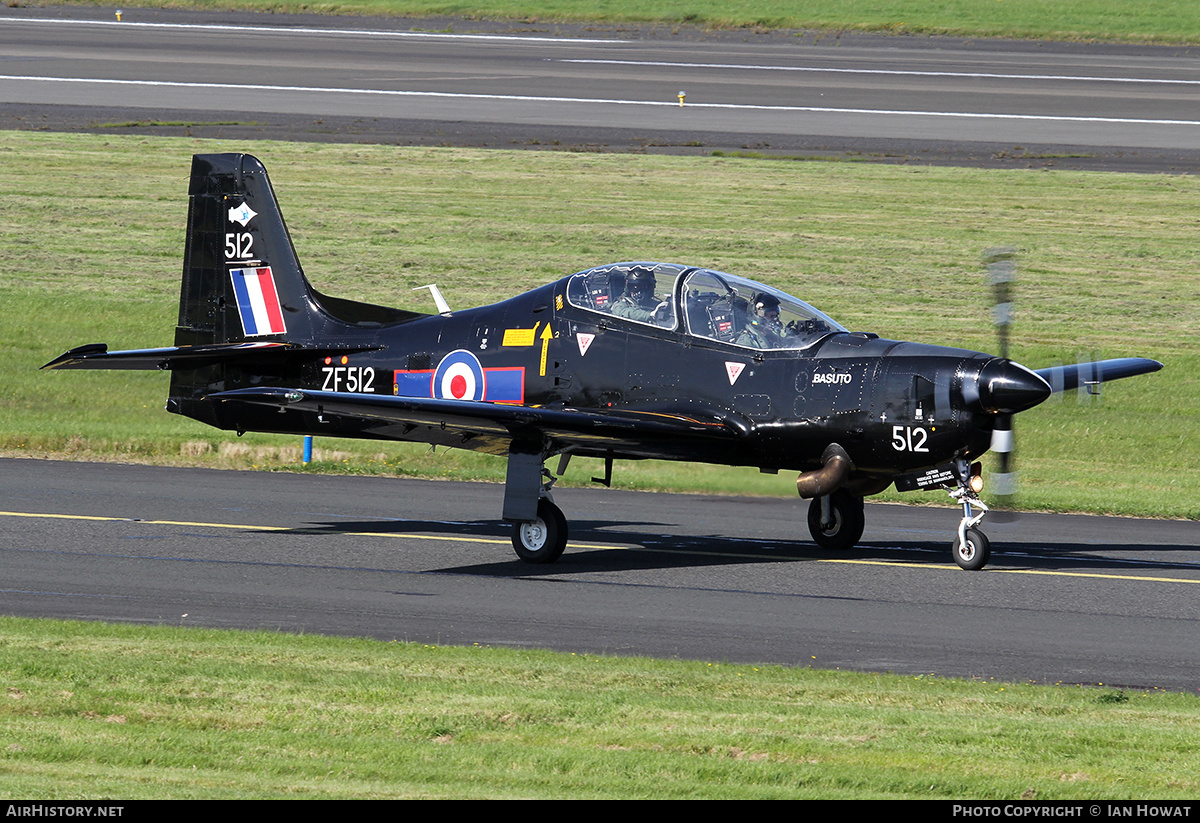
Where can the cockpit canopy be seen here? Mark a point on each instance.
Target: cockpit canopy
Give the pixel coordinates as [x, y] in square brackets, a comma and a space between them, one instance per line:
[704, 303]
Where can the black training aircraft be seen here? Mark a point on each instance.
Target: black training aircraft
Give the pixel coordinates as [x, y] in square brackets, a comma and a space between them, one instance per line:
[630, 360]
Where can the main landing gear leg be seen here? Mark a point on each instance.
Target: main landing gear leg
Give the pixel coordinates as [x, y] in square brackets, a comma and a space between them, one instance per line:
[539, 527]
[971, 549]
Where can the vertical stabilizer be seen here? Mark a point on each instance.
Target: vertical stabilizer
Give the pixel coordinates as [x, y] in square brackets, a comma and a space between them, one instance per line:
[241, 278]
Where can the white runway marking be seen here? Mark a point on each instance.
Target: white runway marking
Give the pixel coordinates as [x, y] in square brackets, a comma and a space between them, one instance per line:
[597, 101]
[972, 75]
[290, 31]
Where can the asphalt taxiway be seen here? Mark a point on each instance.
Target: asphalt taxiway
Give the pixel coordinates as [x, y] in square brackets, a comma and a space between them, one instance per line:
[1066, 599]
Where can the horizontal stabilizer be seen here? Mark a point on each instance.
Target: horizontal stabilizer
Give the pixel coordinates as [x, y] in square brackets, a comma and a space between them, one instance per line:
[97, 355]
[1065, 378]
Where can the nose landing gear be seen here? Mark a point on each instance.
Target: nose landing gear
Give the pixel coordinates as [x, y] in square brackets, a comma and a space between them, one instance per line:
[971, 550]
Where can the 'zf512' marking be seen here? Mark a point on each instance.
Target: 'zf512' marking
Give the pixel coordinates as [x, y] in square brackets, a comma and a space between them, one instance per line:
[348, 378]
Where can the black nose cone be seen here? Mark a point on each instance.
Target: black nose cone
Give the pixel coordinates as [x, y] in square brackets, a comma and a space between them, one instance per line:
[1007, 387]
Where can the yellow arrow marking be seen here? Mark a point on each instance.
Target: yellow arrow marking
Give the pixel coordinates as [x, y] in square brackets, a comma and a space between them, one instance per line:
[547, 336]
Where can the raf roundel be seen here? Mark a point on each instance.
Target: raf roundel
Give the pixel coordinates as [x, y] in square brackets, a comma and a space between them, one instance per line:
[459, 377]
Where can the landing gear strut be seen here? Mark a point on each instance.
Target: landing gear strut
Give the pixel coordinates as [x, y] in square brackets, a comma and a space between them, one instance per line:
[971, 549]
[539, 528]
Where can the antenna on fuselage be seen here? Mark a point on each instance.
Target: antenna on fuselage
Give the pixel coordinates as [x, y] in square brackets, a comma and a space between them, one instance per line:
[442, 306]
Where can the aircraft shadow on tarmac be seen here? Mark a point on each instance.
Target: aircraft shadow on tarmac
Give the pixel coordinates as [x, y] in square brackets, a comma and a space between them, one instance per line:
[635, 546]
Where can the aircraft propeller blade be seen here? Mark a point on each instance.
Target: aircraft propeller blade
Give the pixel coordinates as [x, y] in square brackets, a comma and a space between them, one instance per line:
[1002, 275]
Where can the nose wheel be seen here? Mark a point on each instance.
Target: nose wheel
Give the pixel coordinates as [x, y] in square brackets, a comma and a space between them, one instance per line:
[972, 550]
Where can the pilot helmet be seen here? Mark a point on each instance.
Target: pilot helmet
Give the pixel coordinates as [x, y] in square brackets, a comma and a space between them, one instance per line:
[639, 284]
[766, 303]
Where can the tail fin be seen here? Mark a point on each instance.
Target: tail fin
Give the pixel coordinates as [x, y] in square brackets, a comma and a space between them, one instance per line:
[245, 294]
[242, 281]
[241, 278]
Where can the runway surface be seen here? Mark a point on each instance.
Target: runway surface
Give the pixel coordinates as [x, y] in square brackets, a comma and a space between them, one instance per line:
[928, 100]
[1066, 599]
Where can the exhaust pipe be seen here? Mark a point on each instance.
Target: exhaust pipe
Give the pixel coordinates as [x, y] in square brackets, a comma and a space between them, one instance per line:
[830, 477]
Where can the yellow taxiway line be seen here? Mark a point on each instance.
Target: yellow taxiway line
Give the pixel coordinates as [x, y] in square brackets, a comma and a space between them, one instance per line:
[606, 546]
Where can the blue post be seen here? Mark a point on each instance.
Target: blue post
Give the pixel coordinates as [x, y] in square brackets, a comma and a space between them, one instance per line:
[308, 449]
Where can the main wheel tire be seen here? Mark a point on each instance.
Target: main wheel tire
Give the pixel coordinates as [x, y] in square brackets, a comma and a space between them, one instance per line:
[848, 521]
[974, 554]
[541, 540]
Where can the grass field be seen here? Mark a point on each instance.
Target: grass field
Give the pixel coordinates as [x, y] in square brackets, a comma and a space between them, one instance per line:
[1150, 21]
[91, 233]
[95, 712]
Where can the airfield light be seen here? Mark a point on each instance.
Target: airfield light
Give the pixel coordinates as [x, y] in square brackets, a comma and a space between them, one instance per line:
[681, 96]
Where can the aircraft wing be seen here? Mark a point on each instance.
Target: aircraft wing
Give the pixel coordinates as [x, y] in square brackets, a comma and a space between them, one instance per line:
[1065, 378]
[473, 418]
